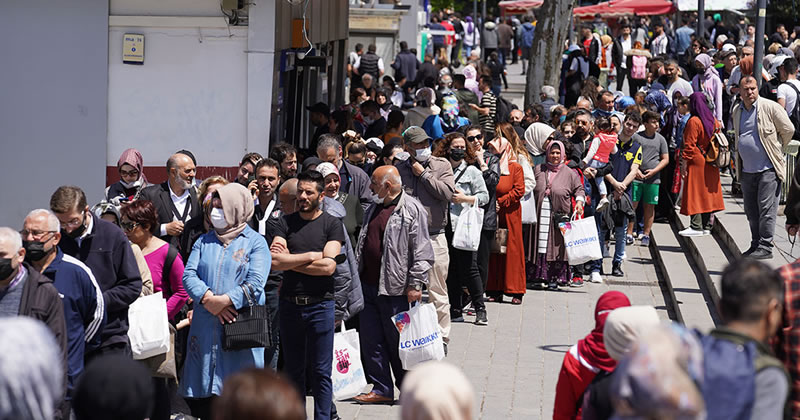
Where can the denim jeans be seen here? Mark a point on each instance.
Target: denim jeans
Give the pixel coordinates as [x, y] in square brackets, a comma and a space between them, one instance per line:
[307, 339]
[271, 353]
[380, 340]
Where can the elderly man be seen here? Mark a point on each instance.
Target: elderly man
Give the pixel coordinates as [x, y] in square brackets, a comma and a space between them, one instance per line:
[353, 179]
[430, 180]
[25, 292]
[394, 258]
[84, 309]
[762, 130]
[103, 247]
[176, 201]
[548, 98]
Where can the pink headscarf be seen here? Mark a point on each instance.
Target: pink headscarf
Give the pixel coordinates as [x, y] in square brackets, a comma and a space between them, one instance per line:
[134, 158]
[502, 146]
[471, 82]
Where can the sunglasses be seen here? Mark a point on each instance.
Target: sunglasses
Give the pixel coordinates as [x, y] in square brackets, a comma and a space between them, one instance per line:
[129, 173]
[128, 226]
[473, 138]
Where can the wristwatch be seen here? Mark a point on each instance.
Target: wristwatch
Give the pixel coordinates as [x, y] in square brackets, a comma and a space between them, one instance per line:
[416, 286]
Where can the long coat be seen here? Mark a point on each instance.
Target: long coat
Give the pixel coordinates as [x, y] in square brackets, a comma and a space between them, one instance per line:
[245, 262]
[565, 186]
[702, 191]
[507, 271]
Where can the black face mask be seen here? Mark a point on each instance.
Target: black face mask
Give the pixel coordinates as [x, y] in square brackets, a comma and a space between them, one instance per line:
[34, 250]
[75, 234]
[6, 270]
[458, 154]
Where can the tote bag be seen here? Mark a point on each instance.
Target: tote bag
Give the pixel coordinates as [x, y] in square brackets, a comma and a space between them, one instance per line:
[467, 235]
[581, 240]
[420, 338]
[148, 328]
[528, 204]
[347, 373]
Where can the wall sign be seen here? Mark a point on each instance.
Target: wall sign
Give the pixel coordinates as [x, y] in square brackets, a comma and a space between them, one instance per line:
[133, 48]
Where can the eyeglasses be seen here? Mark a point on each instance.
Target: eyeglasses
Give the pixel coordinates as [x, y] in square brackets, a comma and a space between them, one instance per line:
[129, 173]
[74, 222]
[474, 138]
[36, 234]
[128, 226]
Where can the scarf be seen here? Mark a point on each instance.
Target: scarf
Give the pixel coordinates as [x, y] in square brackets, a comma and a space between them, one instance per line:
[659, 100]
[237, 204]
[436, 391]
[535, 136]
[503, 148]
[705, 60]
[592, 347]
[134, 158]
[555, 167]
[625, 326]
[470, 26]
[699, 109]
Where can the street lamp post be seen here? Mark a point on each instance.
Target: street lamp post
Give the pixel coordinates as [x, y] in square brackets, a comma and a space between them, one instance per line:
[758, 60]
[701, 19]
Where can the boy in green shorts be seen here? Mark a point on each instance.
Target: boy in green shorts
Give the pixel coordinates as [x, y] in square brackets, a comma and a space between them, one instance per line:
[655, 157]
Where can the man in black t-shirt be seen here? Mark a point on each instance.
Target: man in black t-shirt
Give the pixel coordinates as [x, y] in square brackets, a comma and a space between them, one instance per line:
[305, 246]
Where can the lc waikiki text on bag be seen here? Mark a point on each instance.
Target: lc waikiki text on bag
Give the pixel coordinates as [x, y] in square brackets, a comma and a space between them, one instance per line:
[420, 338]
[581, 240]
[347, 373]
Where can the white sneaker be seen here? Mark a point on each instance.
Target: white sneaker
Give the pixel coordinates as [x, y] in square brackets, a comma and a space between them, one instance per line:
[706, 232]
[595, 277]
[602, 204]
[691, 232]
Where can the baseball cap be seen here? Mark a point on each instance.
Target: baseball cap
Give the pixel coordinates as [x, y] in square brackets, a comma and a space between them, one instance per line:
[729, 47]
[777, 62]
[415, 135]
[320, 107]
[375, 144]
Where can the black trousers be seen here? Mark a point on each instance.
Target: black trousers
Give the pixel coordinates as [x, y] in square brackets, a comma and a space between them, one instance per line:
[635, 84]
[201, 407]
[463, 271]
[483, 254]
[666, 199]
[621, 75]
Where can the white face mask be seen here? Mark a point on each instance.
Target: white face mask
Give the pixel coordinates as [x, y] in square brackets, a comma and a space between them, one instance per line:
[423, 154]
[134, 184]
[217, 217]
[377, 199]
[368, 120]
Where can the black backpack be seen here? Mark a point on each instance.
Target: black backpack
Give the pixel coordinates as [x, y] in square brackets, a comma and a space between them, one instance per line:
[795, 114]
[503, 110]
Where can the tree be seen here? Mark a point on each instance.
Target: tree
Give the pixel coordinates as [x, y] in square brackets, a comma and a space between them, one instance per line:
[548, 46]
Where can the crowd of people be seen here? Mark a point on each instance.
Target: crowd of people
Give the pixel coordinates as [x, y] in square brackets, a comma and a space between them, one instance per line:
[355, 227]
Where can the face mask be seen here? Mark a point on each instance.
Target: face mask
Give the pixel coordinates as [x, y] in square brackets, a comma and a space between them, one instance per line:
[368, 120]
[34, 250]
[457, 155]
[134, 184]
[78, 231]
[217, 217]
[561, 119]
[423, 154]
[6, 270]
[377, 199]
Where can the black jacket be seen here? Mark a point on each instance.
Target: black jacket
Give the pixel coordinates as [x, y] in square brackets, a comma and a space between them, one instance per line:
[491, 177]
[107, 252]
[426, 71]
[160, 196]
[275, 276]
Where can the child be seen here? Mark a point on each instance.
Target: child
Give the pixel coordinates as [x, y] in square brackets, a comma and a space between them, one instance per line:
[603, 145]
[683, 111]
[655, 157]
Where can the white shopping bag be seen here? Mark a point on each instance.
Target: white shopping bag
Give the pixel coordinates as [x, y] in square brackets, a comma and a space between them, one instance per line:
[528, 204]
[467, 235]
[347, 373]
[148, 326]
[581, 240]
[420, 338]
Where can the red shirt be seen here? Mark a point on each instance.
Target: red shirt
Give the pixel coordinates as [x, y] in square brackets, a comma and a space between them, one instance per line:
[373, 242]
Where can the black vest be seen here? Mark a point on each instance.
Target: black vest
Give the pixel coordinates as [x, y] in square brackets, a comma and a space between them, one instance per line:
[369, 65]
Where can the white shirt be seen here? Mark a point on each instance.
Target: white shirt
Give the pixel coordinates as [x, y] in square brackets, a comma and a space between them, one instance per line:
[86, 232]
[788, 94]
[353, 57]
[262, 222]
[627, 44]
[180, 205]
[358, 63]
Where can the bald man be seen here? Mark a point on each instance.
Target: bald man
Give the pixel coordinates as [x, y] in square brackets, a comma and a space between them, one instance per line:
[179, 212]
[394, 256]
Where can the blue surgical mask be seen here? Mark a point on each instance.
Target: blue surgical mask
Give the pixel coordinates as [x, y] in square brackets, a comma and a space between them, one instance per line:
[561, 119]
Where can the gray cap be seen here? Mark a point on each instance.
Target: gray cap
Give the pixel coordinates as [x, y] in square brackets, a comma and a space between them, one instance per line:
[415, 135]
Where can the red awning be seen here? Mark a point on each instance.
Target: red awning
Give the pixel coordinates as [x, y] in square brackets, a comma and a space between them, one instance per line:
[604, 9]
[514, 7]
[615, 8]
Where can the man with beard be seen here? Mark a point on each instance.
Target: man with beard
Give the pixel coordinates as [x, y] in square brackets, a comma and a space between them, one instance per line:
[305, 247]
[584, 127]
[286, 155]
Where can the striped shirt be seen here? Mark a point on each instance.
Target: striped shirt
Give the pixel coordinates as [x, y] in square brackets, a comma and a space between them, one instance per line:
[487, 121]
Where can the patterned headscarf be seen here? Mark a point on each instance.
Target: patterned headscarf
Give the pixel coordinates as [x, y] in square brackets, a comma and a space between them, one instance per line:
[134, 158]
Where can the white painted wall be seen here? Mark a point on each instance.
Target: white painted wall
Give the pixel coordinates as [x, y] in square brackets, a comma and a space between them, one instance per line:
[164, 7]
[191, 92]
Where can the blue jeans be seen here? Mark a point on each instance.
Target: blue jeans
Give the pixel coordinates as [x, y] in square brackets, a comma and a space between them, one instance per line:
[496, 89]
[307, 336]
[271, 353]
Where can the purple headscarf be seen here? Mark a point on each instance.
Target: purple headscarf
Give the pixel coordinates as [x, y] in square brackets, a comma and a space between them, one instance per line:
[554, 167]
[470, 26]
[699, 109]
[705, 60]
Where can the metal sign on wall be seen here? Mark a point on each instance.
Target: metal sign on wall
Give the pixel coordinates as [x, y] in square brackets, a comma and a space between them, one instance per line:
[374, 23]
[133, 48]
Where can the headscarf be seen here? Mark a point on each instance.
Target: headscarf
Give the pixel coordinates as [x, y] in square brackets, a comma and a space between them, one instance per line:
[605, 40]
[426, 95]
[662, 376]
[624, 102]
[127, 390]
[658, 99]
[134, 158]
[699, 108]
[591, 347]
[237, 204]
[535, 136]
[436, 391]
[705, 60]
[626, 325]
[450, 110]
[553, 167]
[470, 25]
[30, 386]
[503, 147]
[471, 82]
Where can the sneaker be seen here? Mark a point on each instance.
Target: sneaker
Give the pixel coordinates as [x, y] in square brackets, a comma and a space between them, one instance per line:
[761, 254]
[645, 241]
[480, 318]
[629, 239]
[690, 232]
[552, 285]
[749, 251]
[456, 316]
[595, 277]
[576, 282]
[706, 232]
[602, 204]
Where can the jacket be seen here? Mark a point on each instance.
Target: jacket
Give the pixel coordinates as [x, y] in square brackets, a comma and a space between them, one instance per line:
[490, 35]
[107, 252]
[407, 251]
[526, 36]
[369, 65]
[84, 310]
[416, 116]
[160, 196]
[243, 264]
[346, 283]
[792, 210]
[405, 65]
[433, 188]
[426, 71]
[775, 130]
[470, 183]
[504, 34]
[466, 97]
[40, 301]
[575, 376]
[491, 177]
[359, 184]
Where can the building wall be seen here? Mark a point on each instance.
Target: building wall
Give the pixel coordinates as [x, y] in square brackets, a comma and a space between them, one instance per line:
[53, 80]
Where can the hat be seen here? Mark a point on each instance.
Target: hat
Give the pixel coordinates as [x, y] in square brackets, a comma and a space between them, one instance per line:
[777, 62]
[415, 135]
[319, 107]
[326, 168]
[375, 144]
[311, 161]
[729, 48]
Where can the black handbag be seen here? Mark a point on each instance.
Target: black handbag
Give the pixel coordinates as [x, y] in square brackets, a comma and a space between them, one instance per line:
[251, 328]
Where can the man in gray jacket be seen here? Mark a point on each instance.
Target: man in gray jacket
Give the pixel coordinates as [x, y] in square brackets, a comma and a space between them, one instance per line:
[430, 180]
[394, 256]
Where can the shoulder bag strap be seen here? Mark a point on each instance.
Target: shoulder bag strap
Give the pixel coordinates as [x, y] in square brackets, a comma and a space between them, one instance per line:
[172, 253]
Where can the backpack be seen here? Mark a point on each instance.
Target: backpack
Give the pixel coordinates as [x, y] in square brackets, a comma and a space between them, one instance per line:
[639, 70]
[794, 116]
[503, 111]
[718, 153]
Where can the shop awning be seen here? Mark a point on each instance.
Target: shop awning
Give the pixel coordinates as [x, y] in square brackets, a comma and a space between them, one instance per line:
[516, 7]
[616, 8]
[691, 5]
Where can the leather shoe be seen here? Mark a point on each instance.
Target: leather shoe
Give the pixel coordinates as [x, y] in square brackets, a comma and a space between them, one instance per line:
[373, 398]
[761, 254]
[616, 270]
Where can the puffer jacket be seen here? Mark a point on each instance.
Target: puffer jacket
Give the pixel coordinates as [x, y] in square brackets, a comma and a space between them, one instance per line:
[346, 283]
[407, 251]
[490, 36]
[491, 178]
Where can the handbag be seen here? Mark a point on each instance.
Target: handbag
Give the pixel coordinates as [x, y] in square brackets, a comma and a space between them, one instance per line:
[467, 235]
[163, 365]
[498, 245]
[528, 204]
[347, 373]
[420, 338]
[148, 329]
[251, 329]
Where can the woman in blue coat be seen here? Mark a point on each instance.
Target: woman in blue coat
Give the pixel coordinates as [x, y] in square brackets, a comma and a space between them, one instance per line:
[224, 262]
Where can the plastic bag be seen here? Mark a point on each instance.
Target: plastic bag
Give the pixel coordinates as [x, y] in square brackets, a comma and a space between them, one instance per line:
[528, 207]
[347, 373]
[420, 338]
[148, 328]
[581, 240]
[467, 235]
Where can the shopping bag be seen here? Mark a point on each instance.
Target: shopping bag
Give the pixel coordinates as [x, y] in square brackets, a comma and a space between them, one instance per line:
[420, 338]
[148, 326]
[467, 235]
[528, 207]
[347, 373]
[581, 240]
